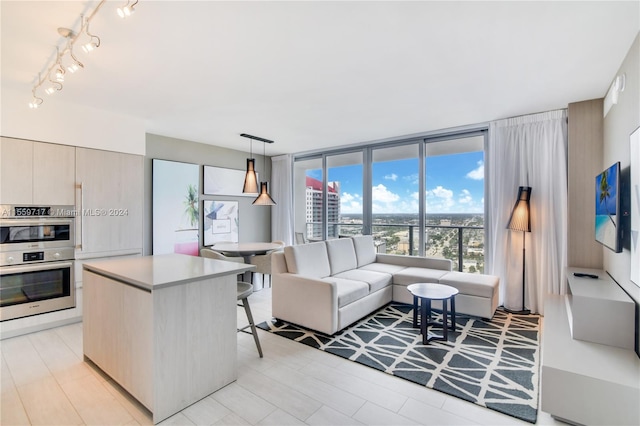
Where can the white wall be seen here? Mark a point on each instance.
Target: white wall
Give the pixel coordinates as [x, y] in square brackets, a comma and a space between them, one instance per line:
[619, 123]
[69, 124]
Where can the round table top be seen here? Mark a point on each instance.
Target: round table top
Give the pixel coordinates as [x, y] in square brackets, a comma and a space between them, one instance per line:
[245, 249]
[432, 291]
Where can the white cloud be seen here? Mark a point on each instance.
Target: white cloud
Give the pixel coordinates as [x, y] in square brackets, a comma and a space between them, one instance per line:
[392, 176]
[386, 201]
[439, 200]
[382, 194]
[478, 172]
[412, 178]
[440, 192]
[465, 197]
[350, 203]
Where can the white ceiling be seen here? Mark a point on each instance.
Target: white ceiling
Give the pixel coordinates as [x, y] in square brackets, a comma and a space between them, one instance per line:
[314, 74]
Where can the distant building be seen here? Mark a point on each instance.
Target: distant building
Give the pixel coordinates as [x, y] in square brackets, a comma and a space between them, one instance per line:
[314, 208]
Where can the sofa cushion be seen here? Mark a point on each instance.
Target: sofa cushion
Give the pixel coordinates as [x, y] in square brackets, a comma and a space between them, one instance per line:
[365, 250]
[375, 280]
[382, 267]
[310, 260]
[342, 256]
[348, 290]
[413, 275]
[472, 284]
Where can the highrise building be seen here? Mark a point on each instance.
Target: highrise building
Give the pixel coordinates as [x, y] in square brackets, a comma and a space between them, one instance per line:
[314, 208]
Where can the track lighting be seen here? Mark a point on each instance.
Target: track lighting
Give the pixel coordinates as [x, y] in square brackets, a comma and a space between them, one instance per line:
[76, 65]
[36, 101]
[59, 69]
[55, 86]
[126, 10]
[93, 43]
[56, 72]
[60, 74]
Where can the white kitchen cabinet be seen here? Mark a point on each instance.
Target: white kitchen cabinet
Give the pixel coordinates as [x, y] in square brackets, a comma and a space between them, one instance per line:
[36, 173]
[110, 197]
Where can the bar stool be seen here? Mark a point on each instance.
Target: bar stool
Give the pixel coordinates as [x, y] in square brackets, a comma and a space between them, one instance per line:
[244, 291]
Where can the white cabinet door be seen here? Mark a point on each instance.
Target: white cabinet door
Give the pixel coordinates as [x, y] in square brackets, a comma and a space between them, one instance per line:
[110, 203]
[36, 173]
[16, 177]
[54, 170]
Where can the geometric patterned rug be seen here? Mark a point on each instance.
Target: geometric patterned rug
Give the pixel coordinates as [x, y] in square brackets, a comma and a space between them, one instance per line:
[494, 363]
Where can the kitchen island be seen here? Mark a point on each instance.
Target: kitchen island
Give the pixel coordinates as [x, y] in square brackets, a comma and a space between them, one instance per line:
[163, 327]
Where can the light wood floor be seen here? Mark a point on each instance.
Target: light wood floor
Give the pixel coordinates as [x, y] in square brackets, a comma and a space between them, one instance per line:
[45, 381]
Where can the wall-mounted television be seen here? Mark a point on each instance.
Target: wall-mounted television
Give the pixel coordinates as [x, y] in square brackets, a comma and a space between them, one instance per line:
[608, 216]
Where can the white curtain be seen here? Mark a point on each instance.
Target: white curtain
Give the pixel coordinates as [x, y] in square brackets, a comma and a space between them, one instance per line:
[282, 212]
[528, 151]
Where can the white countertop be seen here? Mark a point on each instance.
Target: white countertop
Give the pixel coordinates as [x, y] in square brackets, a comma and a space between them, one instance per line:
[165, 270]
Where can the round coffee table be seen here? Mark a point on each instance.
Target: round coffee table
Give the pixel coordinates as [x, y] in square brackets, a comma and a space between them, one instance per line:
[426, 292]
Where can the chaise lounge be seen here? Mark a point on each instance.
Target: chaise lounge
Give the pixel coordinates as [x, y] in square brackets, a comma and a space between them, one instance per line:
[328, 285]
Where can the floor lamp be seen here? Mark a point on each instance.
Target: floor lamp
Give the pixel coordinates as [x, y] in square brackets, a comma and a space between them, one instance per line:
[520, 220]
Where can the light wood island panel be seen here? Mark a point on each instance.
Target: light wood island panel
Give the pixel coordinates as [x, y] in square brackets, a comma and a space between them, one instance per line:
[163, 327]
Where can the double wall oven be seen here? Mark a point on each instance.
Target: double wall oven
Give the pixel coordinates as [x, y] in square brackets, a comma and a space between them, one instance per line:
[36, 260]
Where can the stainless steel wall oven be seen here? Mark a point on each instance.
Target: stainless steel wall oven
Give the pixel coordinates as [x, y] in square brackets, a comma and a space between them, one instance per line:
[36, 260]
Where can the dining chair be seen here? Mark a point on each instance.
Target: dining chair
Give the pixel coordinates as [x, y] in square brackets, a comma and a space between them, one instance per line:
[208, 253]
[262, 262]
[243, 291]
[211, 254]
[300, 238]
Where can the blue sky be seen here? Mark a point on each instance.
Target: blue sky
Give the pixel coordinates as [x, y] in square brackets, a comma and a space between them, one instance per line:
[455, 184]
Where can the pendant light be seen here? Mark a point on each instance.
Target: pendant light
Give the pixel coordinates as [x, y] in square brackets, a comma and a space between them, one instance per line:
[250, 179]
[264, 199]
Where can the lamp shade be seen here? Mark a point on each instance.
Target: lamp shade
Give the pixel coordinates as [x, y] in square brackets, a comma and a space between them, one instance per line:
[520, 219]
[264, 199]
[250, 180]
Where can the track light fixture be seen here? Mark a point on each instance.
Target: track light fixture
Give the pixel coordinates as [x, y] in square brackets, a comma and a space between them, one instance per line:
[56, 72]
[126, 10]
[93, 43]
[59, 69]
[36, 101]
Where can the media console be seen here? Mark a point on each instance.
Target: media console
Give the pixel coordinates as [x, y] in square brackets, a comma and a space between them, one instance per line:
[590, 373]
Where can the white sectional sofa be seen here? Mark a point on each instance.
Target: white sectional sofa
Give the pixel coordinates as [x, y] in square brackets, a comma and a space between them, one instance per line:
[328, 285]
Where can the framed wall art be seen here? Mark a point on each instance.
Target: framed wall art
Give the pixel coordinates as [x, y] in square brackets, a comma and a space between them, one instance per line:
[175, 207]
[220, 221]
[221, 181]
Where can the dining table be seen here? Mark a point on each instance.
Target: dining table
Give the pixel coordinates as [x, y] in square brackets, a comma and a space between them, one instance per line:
[246, 251]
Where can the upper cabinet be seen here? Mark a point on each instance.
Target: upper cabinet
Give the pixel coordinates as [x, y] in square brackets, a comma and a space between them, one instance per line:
[36, 173]
[110, 199]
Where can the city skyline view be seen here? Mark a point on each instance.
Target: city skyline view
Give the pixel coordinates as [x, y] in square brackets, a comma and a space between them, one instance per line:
[454, 184]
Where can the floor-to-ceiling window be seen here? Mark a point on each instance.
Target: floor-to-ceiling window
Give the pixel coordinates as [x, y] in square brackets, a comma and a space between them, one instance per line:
[308, 198]
[454, 201]
[344, 194]
[416, 197]
[395, 198]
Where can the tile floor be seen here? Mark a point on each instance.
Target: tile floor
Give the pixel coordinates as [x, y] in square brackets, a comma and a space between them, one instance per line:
[46, 382]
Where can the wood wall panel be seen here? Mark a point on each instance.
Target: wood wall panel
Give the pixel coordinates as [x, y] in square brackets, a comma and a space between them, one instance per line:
[585, 133]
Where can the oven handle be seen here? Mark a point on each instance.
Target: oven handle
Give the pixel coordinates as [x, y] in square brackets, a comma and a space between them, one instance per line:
[80, 234]
[7, 270]
[38, 221]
